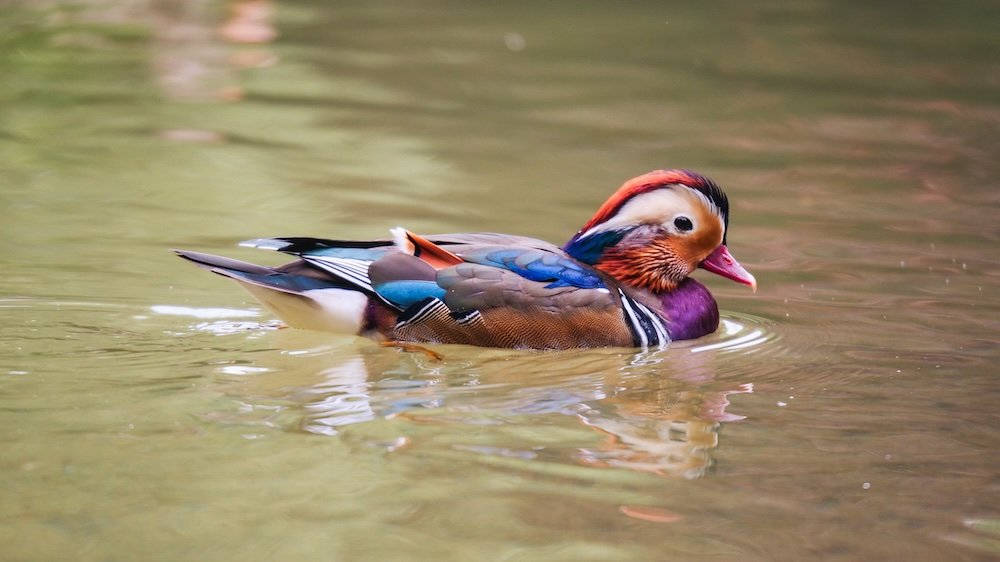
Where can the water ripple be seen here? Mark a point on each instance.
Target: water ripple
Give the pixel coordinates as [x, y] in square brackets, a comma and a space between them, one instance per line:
[737, 332]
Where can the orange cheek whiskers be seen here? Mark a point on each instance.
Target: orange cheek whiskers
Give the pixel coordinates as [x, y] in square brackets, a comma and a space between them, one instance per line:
[654, 267]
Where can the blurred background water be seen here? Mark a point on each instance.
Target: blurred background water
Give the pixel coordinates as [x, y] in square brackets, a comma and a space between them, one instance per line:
[847, 411]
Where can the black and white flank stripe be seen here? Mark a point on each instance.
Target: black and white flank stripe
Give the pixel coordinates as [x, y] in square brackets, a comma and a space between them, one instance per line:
[647, 328]
[421, 311]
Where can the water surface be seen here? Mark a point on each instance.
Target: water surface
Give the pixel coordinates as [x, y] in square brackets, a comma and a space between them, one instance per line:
[847, 411]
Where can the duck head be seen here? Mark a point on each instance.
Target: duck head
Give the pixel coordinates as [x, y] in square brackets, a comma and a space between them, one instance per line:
[657, 229]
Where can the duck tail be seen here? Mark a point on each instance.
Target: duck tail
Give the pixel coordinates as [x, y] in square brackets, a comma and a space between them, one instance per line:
[310, 301]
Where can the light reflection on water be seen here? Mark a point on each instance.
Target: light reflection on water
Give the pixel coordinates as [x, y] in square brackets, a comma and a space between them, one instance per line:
[735, 335]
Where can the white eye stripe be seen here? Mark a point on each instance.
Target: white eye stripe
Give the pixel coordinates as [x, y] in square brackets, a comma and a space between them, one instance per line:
[653, 207]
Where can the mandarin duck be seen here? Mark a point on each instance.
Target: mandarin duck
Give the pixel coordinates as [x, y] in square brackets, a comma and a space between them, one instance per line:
[621, 281]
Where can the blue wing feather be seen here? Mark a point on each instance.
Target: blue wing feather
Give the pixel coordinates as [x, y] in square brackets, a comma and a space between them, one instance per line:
[406, 293]
[541, 266]
[591, 248]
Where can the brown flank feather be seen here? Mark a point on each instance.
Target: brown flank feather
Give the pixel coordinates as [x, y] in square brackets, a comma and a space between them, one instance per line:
[525, 329]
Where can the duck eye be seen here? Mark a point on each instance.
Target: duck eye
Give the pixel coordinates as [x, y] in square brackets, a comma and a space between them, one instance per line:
[683, 224]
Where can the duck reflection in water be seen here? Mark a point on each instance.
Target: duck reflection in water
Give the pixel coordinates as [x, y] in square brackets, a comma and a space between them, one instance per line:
[655, 412]
[668, 432]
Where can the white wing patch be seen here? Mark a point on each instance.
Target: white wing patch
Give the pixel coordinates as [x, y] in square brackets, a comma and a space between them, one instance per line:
[264, 243]
[354, 271]
[402, 241]
[658, 208]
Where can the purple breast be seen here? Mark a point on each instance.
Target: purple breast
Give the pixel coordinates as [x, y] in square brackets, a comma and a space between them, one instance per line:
[691, 311]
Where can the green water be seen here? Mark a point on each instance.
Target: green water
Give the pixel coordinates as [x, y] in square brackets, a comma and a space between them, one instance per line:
[148, 410]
